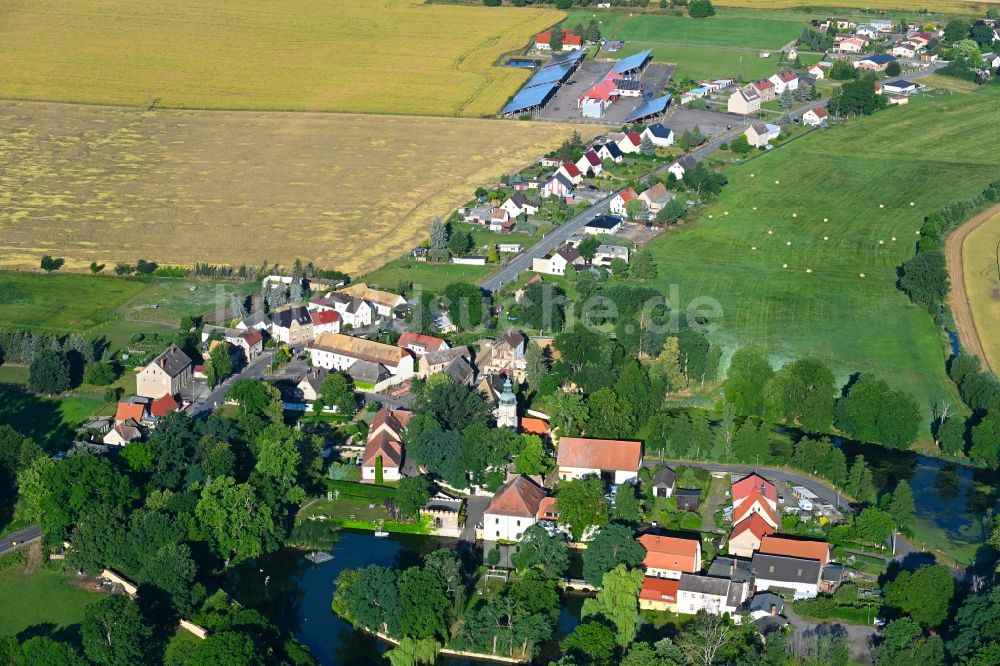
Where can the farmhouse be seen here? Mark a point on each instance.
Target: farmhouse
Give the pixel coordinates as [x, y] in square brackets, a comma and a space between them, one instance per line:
[779, 573]
[715, 596]
[135, 408]
[630, 143]
[543, 40]
[258, 321]
[169, 372]
[513, 509]
[619, 202]
[123, 433]
[384, 301]
[807, 549]
[658, 594]
[440, 361]
[615, 461]
[866, 31]
[605, 224]
[786, 80]
[658, 135]
[875, 63]
[818, 71]
[293, 326]
[744, 101]
[765, 89]
[340, 352]
[815, 116]
[669, 557]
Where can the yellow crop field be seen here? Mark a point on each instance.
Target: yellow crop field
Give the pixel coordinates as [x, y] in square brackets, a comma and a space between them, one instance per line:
[348, 191]
[940, 6]
[358, 56]
[980, 252]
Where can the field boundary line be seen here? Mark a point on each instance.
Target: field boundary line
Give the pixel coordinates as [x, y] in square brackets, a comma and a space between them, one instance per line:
[958, 297]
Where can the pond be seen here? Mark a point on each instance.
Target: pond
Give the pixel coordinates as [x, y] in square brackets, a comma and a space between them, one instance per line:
[297, 594]
[525, 63]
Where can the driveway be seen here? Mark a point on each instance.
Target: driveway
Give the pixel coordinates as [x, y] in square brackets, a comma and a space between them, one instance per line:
[859, 637]
[12, 542]
[475, 507]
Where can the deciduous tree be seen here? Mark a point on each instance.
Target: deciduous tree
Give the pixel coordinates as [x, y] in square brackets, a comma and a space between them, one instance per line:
[618, 602]
[613, 545]
[581, 505]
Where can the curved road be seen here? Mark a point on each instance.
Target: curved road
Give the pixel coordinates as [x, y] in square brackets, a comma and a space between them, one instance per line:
[958, 299]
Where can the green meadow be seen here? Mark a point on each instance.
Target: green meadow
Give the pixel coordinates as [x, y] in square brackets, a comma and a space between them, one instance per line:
[784, 248]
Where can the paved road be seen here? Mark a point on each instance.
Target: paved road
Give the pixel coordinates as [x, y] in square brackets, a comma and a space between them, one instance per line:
[208, 400]
[859, 637]
[402, 402]
[28, 535]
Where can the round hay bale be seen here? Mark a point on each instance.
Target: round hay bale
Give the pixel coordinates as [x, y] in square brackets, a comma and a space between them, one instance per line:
[784, 265]
[809, 270]
[777, 182]
[770, 232]
[861, 274]
[913, 203]
[795, 214]
[826, 238]
[893, 239]
[826, 219]
[753, 247]
[881, 242]
[788, 242]
[881, 205]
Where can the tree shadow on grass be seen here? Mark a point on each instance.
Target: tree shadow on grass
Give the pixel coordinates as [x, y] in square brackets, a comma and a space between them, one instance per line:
[35, 417]
[70, 634]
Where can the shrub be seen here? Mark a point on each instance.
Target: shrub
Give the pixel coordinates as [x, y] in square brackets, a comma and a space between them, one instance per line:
[691, 521]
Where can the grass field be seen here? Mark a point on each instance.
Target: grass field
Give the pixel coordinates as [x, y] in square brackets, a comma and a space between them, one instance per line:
[49, 421]
[42, 603]
[74, 302]
[699, 62]
[762, 32]
[844, 175]
[176, 187]
[940, 6]
[401, 56]
[979, 253]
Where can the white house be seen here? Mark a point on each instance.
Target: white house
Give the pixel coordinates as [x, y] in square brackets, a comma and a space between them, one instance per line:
[512, 510]
[815, 116]
[619, 202]
[715, 596]
[630, 143]
[900, 87]
[616, 461]
[354, 312]
[557, 185]
[606, 253]
[679, 167]
[785, 80]
[609, 151]
[556, 262]
[817, 71]
[660, 136]
[517, 203]
[779, 573]
[385, 302]
[590, 163]
[336, 351]
[571, 173]
[384, 446]
[656, 197]
[669, 557]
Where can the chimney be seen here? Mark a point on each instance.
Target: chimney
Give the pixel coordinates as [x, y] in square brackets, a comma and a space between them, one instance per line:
[732, 566]
[774, 610]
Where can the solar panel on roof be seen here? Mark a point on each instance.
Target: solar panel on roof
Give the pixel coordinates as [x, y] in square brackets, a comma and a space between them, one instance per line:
[529, 97]
[632, 62]
[649, 108]
[572, 56]
[548, 75]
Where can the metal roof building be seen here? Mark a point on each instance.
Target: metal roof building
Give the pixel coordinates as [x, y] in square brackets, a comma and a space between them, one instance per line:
[649, 108]
[633, 62]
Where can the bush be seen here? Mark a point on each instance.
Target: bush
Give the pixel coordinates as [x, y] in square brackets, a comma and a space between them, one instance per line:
[691, 521]
[314, 535]
[100, 374]
[344, 472]
[11, 560]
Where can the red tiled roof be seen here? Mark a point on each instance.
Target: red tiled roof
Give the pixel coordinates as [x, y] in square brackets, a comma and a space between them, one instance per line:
[252, 336]
[571, 169]
[519, 497]
[163, 406]
[428, 342]
[627, 195]
[534, 426]
[634, 138]
[751, 482]
[592, 158]
[569, 39]
[547, 509]
[324, 316]
[806, 549]
[820, 111]
[383, 445]
[755, 525]
[762, 84]
[670, 553]
[605, 454]
[659, 589]
[130, 410]
[787, 76]
[755, 499]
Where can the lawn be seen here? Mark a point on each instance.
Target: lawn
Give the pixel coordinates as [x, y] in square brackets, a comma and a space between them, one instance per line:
[49, 421]
[179, 187]
[428, 276]
[62, 303]
[941, 6]
[844, 174]
[979, 253]
[401, 56]
[42, 603]
[763, 32]
[698, 62]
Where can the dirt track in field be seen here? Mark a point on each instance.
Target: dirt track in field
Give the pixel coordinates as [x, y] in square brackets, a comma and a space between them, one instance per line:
[958, 300]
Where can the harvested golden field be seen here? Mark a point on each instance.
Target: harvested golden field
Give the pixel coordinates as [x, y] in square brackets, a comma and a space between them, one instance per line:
[940, 6]
[358, 56]
[177, 187]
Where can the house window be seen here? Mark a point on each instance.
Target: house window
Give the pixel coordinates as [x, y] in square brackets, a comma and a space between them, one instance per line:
[771, 569]
[498, 534]
[497, 522]
[800, 573]
[519, 524]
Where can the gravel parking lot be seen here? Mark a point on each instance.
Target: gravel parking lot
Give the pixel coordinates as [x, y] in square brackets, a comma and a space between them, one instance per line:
[563, 107]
